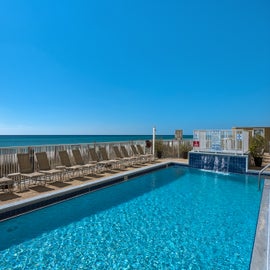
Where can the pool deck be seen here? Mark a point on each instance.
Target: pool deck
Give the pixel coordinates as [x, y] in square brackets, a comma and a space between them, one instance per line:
[36, 197]
[260, 256]
[36, 194]
[52, 187]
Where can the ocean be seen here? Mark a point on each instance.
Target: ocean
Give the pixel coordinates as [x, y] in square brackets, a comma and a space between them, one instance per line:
[33, 140]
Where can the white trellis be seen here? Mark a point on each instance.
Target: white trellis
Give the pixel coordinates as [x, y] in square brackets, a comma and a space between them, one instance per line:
[221, 141]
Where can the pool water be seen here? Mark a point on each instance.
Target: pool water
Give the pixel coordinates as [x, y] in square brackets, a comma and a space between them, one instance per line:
[173, 218]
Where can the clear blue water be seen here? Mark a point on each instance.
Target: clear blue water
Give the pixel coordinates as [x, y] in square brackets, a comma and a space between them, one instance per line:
[31, 140]
[174, 218]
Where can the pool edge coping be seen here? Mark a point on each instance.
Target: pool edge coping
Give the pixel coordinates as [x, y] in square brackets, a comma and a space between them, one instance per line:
[260, 251]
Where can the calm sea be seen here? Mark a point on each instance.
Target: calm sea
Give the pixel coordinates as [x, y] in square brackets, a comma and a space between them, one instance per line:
[31, 140]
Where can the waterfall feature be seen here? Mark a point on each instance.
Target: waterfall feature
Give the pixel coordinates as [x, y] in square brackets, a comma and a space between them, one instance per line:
[216, 163]
[223, 163]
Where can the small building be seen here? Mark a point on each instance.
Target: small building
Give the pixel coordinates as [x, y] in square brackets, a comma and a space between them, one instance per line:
[263, 131]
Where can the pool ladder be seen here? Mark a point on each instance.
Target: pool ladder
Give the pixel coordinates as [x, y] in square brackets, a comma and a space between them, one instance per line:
[260, 174]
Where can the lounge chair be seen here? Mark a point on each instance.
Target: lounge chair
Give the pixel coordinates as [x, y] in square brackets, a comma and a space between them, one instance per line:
[65, 161]
[101, 165]
[94, 155]
[89, 167]
[6, 184]
[27, 171]
[149, 157]
[104, 155]
[44, 167]
[126, 161]
[142, 158]
[134, 159]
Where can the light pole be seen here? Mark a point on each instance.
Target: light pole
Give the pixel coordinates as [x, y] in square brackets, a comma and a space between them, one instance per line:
[154, 138]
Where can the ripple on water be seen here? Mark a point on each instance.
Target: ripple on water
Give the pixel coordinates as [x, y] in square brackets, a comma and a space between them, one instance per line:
[196, 221]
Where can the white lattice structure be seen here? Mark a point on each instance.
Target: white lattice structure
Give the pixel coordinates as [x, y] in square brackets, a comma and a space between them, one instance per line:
[221, 141]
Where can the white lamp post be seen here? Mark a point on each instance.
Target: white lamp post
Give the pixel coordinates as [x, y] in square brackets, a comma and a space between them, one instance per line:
[154, 138]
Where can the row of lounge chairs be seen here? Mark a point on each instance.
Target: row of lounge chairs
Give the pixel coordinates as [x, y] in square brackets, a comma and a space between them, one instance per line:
[67, 170]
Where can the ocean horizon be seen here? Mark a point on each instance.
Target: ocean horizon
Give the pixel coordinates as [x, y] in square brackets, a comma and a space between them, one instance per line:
[34, 140]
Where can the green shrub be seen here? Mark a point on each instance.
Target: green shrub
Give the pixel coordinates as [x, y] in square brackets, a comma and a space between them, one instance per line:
[256, 146]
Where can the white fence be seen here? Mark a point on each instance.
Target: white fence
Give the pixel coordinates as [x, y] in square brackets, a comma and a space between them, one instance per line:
[221, 141]
[8, 155]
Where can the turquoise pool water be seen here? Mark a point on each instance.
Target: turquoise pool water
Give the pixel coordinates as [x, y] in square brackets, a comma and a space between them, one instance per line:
[174, 218]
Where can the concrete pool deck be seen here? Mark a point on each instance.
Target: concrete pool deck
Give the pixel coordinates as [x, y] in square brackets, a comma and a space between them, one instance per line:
[53, 192]
[36, 197]
[260, 256]
[51, 187]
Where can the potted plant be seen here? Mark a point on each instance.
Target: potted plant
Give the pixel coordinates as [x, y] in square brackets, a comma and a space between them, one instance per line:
[159, 148]
[256, 149]
[185, 147]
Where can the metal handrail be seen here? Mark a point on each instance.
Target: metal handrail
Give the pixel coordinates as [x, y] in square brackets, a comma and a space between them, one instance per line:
[260, 173]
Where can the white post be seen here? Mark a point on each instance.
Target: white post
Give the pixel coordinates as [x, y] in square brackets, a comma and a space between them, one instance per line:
[178, 141]
[154, 138]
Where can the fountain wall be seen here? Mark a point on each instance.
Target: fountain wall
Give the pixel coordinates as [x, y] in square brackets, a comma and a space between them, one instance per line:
[218, 162]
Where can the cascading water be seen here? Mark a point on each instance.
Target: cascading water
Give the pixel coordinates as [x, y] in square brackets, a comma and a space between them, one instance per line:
[216, 163]
[223, 163]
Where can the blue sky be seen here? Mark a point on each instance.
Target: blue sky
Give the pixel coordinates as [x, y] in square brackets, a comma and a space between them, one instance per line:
[121, 67]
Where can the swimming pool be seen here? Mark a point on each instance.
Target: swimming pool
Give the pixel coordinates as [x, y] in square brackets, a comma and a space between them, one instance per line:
[173, 218]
